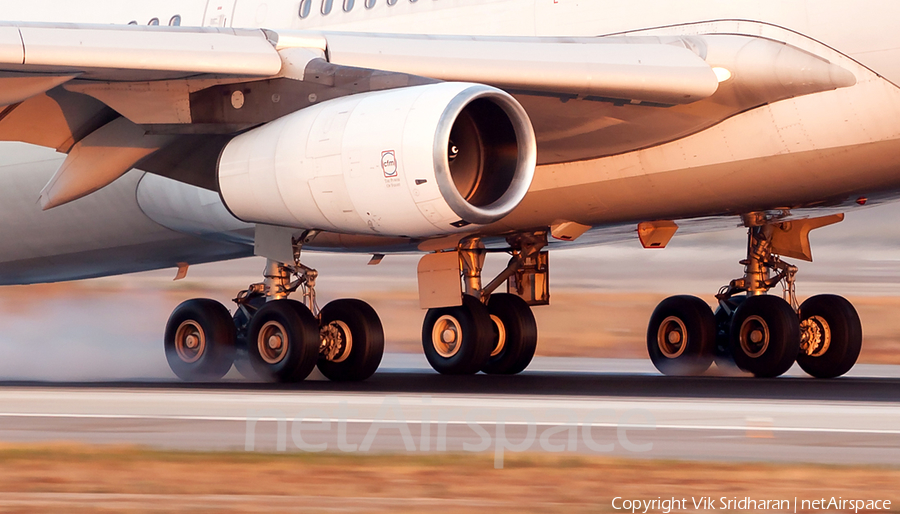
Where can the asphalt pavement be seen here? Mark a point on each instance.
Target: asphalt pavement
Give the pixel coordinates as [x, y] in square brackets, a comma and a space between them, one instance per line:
[580, 406]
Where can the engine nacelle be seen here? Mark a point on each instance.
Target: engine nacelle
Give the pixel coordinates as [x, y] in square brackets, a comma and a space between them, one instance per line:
[414, 162]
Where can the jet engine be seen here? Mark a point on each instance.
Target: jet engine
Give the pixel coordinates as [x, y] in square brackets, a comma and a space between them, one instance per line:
[413, 162]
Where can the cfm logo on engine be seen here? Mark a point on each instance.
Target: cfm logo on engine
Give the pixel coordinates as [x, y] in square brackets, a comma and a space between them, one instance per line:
[389, 164]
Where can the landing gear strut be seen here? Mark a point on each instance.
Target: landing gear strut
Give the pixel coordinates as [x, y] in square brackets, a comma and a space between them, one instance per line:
[274, 338]
[495, 333]
[763, 334]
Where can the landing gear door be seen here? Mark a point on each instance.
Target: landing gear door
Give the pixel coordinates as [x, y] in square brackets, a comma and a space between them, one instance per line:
[439, 280]
[532, 282]
[219, 13]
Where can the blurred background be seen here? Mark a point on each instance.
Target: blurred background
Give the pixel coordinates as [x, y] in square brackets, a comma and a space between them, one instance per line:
[601, 299]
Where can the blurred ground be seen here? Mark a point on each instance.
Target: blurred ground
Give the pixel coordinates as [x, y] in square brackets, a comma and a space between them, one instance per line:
[121, 479]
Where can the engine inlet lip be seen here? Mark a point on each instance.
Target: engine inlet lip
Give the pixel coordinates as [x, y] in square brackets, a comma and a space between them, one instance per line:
[525, 161]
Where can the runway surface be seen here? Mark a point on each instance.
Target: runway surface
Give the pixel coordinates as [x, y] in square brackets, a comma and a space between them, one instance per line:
[584, 406]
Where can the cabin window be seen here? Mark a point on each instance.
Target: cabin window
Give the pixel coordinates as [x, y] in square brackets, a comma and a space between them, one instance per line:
[348, 5]
[370, 4]
[391, 2]
[305, 7]
[132, 22]
[175, 21]
[326, 6]
[154, 21]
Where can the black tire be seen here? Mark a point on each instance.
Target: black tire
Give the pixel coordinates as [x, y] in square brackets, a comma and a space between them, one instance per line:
[199, 340]
[777, 326]
[470, 323]
[358, 360]
[681, 336]
[836, 323]
[514, 335]
[242, 318]
[295, 330]
[723, 358]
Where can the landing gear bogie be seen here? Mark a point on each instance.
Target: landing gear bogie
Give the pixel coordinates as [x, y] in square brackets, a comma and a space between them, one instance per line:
[760, 333]
[273, 338]
[492, 332]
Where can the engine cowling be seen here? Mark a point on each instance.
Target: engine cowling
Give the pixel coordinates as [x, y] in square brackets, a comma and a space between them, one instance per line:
[414, 162]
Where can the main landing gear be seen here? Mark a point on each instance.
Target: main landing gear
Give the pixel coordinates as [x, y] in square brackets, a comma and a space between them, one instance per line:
[495, 333]
[274, 338]
[763, 334]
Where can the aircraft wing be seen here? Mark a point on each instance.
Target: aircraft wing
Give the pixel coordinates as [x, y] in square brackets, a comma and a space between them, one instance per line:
[594, 97]
[167, 99]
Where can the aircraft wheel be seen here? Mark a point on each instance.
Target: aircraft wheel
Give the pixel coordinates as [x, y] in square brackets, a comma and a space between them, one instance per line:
[830, 336]
[681, 336]
[283, 341]
[458, 340]
[354, 340]
[514, 335]
[765, 336]
[199, 340]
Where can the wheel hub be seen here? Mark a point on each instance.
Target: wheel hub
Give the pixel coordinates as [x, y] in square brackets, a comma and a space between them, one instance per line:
[190, 341]
[672, 337]
[272, 342]
[337, 341]
[754, 336]
[446, 336]
[815, 336]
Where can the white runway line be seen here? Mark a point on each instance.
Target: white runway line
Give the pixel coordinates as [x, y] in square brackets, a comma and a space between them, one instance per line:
[487, 422]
